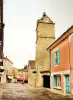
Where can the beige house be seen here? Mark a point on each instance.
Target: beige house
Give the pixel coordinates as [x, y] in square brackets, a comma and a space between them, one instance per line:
[25, 75]
[7, 63]
[45, 35]
[15, 72]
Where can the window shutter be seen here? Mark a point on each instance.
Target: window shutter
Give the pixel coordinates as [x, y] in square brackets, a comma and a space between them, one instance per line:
[58, 56]
[55, 81]
[52, 59]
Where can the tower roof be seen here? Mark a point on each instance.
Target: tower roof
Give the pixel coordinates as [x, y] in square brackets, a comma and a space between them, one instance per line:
[45, 19]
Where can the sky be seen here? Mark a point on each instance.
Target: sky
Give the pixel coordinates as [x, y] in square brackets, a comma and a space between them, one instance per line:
[20, 17]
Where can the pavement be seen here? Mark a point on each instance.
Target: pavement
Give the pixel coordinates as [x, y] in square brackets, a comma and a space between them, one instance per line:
[18, 91]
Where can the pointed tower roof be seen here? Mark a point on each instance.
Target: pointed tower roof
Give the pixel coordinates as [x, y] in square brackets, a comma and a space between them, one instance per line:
[45, 19]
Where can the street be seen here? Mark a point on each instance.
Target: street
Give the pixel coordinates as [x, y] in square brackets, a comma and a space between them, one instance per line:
[18, 91]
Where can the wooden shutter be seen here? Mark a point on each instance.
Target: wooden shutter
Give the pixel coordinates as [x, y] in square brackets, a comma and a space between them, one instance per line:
[55, 81]
[58, 56]
[52, 59]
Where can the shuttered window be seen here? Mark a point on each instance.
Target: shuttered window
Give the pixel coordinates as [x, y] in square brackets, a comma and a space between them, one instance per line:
[57, 81]
[56, 57]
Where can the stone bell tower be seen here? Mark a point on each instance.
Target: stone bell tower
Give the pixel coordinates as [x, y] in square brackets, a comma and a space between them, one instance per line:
[1, 34]
[45, 35]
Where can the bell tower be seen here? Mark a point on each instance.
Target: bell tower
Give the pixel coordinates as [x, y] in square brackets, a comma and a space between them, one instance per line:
[45, 35]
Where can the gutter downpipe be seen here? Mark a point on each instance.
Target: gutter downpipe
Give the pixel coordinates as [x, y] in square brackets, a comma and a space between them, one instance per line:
[49, 51]
[69, 60]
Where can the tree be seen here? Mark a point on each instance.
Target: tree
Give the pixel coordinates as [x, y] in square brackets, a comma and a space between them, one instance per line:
[25, 66]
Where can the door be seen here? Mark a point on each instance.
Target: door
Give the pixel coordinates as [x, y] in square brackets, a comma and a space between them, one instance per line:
[46, 81]
[0, 79]
[67, 84]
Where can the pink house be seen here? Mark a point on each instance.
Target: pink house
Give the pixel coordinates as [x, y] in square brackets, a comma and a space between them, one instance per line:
[61, 62]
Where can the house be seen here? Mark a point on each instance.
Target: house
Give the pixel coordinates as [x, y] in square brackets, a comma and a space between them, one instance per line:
[8, 68]
[61, 62]
[1, 42]
[45, 35]
[25, 75]
[15, 72]
[20, 76]
[31, 73]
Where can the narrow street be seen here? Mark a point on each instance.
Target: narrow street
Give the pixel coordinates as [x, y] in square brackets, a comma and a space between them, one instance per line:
[18, 91]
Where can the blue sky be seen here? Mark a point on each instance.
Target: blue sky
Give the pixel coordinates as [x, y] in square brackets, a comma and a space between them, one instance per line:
[20, 18]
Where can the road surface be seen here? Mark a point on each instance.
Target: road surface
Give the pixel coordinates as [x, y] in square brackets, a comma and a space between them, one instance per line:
[18, 91]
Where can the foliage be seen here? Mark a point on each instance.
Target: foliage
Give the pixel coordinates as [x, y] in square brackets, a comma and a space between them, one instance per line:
[25, 67]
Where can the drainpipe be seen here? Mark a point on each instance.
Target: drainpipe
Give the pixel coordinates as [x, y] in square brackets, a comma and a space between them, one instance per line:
[49, 51]
[69, 59]
[69, 53]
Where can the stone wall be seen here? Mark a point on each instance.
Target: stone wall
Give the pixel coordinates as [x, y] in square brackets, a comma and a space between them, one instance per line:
[45, 36]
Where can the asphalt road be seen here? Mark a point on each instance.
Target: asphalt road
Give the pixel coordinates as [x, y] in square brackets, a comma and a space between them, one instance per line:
[18, 91]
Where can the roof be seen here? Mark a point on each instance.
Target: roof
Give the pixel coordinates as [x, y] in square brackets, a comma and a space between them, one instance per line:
[14, 68]
[41, 20]
[61, 38]
[8, 59]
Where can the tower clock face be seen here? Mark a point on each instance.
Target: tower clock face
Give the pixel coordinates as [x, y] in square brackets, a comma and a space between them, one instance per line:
[46, 19]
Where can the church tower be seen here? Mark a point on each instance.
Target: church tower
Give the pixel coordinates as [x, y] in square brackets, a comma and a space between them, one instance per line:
[45, 35]
[1, 34]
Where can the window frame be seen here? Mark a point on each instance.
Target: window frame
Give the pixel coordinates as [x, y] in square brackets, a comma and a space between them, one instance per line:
[57, 82]
[55, 60]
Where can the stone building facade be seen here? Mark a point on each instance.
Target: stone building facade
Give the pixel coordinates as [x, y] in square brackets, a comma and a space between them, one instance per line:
[1, 40]
[8, 68]
[31, 73]
[39, 75]
[45, 35]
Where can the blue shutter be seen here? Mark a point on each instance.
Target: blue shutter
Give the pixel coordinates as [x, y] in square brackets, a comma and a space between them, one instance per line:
[52, 59]
[55, 81]
[58, 56]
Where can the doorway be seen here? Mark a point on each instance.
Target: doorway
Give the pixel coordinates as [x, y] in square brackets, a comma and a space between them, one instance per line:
[46, 81]
[0, 79]
[67, 84]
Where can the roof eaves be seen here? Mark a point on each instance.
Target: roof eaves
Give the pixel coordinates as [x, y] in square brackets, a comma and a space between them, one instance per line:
[51, 46]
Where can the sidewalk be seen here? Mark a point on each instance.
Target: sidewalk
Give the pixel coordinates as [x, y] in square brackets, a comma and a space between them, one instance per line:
[56, 91]
[52, 90]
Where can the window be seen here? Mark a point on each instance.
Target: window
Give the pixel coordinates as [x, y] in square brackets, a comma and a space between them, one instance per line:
[57, 81]
[56, 57]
